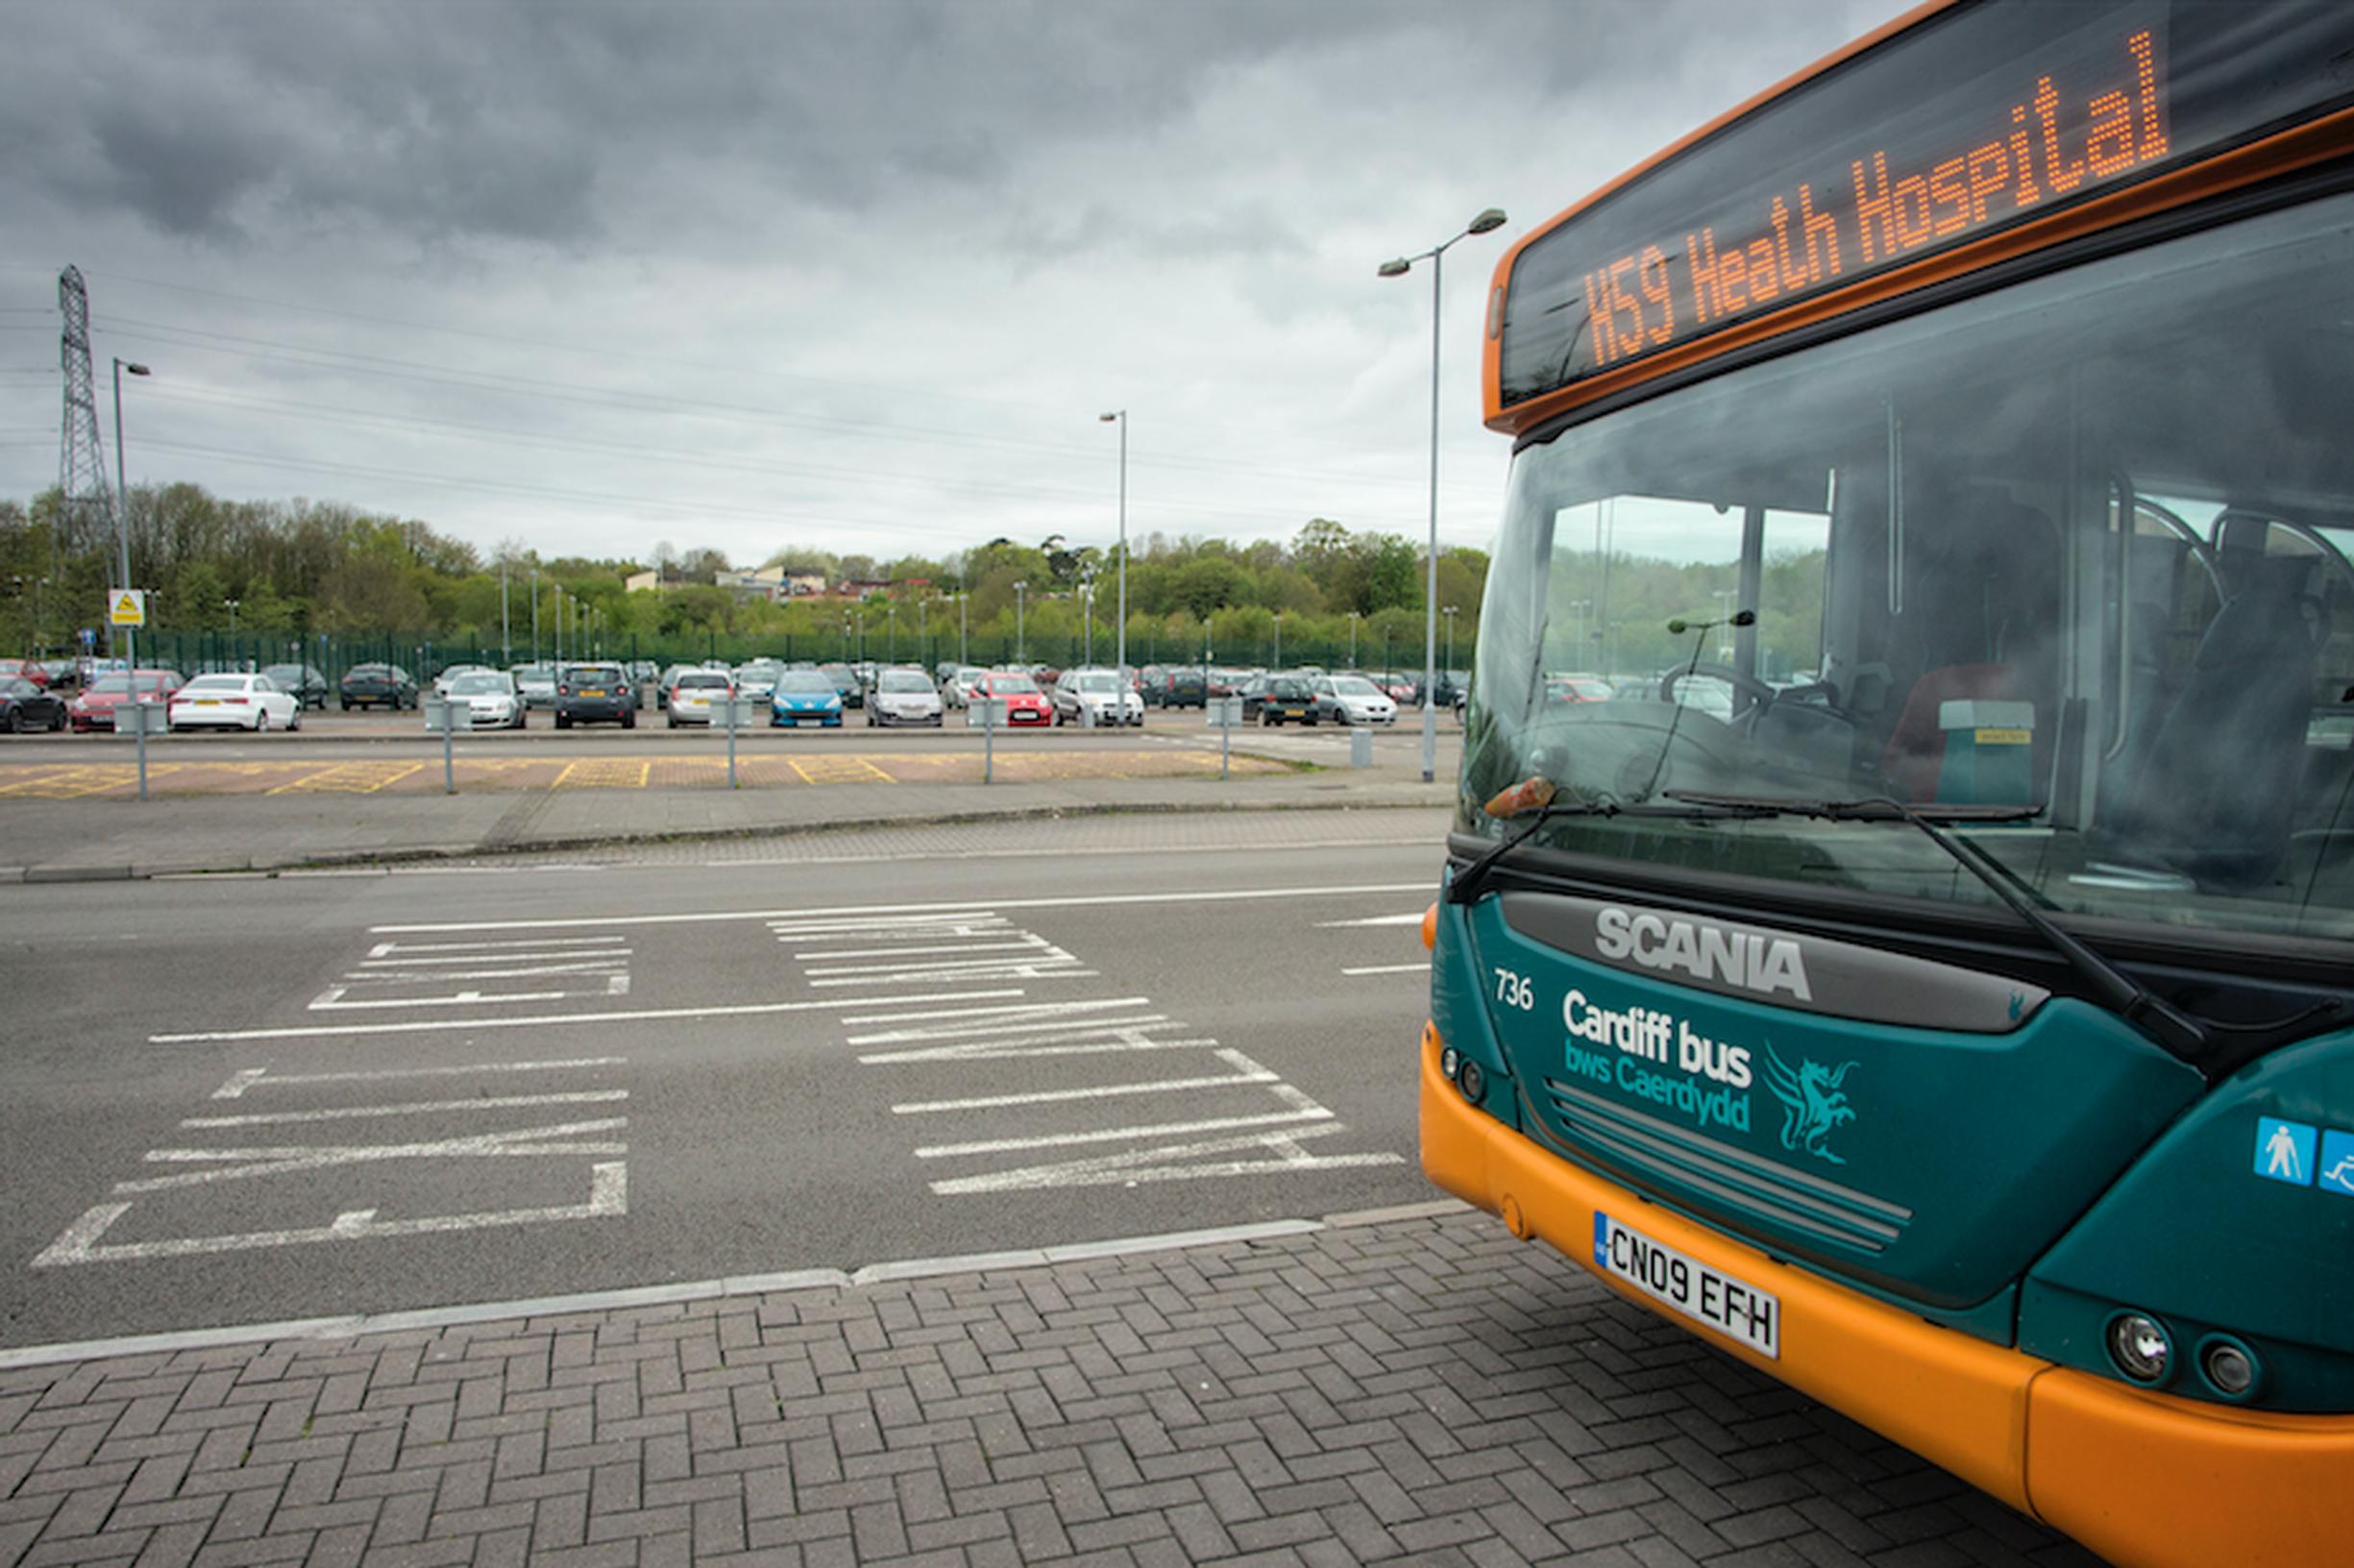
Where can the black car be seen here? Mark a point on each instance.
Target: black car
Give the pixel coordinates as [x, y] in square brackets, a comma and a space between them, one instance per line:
[378, 686]
[25, 706]
[1277, 699]
[587, 693]
[1182, 689]
[847, 682]
[306, 683]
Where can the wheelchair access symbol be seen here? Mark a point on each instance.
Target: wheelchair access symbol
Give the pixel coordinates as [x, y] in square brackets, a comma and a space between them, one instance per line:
[2337, 1163]
[2284, 1150]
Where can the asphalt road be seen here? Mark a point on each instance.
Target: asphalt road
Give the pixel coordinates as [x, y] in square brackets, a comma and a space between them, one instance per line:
[236, 1100]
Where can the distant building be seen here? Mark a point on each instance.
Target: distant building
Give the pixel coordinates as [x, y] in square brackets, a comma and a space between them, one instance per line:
[860, 587]
[804, 584]
[642, 582]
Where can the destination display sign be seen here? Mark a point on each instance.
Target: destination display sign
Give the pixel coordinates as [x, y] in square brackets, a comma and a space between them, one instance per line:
[1981, 118]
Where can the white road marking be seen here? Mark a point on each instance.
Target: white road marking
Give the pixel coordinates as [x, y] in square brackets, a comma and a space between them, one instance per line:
[1086, 901]
[648, 1015]
[383, 948]
[591, 965]
[1414, 918]
[608, 1198]
[1030, 1026]
[331, 1000]
[1093, 1043]
[242, 1165]
[616, 952]
[1246, 1071]
[1309, 1110]
[1423, 968]
[1028, 941]
[1037, 1009]
[1063, 853]
[416, 1108]
[1280, 1152]
[260, 1077]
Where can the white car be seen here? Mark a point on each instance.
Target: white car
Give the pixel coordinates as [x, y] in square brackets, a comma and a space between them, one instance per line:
[489, 699]
[443, 682]
[1096, 697]
[903, 697]
[232, 703]
[757, 678]
[697, 690]
[1352, 699]
[961, 684]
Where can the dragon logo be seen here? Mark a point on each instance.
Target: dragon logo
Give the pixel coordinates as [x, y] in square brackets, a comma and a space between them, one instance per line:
[1812, 1103]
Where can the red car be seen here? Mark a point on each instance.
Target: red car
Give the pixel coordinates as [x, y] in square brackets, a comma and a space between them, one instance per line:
[94, 708]
[1024, 702]
[31, 669]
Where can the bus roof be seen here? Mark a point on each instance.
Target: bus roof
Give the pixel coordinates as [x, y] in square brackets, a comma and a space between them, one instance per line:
[1963, 134]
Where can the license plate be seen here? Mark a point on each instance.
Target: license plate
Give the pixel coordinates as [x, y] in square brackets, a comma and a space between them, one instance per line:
[208, 703]
[592, 694]
[1733, 1308]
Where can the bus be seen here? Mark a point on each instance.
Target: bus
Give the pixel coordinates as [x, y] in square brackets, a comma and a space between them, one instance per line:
[1920, 960]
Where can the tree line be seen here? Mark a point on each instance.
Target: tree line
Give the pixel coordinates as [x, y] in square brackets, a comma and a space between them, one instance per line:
[305, 569]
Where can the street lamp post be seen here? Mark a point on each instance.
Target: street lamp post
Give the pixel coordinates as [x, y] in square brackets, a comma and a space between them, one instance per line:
[961, 626]
[1021, 653]
[1490, 219]
[1279, 639]
[1119, 417]
[535, 614]
[122, 503]
[1087, 612]
[892, 613]
[230, 605]
[1352, 639]
[1449, 612]
[507, 640]
[924, 629]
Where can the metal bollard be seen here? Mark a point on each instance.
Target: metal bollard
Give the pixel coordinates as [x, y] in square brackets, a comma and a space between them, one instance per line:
[1361, 748]
[442, 715]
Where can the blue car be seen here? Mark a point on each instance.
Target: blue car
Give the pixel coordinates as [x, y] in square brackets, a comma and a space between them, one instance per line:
[806, 696]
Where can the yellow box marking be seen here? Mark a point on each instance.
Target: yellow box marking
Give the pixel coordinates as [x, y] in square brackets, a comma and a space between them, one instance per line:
[72, 782]
[841, 771]
[349, 778]
[601, 773]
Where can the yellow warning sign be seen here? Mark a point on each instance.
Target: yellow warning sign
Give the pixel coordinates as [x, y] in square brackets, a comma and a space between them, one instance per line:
[126, 606]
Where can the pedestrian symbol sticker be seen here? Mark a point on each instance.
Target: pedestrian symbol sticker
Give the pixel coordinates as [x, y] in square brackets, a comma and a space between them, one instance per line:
[2285, 1151]
[2337, 1163]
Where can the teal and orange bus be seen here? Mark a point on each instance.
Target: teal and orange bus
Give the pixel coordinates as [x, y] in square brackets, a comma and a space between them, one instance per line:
[1900, 918]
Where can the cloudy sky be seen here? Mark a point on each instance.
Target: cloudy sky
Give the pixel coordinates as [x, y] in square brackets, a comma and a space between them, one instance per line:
[859, 275]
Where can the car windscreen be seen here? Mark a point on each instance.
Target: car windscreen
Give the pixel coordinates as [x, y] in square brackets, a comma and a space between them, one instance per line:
[807, 683]
[904, 682]
[702, 680]
[368, 671]
[216, 683]
[1098, 683]
[480, 685]
[114, 683]
[1012, 686]
[593, 674]
[1353, 686]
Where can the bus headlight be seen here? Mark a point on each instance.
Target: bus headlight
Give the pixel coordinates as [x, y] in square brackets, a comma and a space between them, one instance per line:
[2229, 1365]
[1472, 1081]
[1449, 1060]
[2138, 1346]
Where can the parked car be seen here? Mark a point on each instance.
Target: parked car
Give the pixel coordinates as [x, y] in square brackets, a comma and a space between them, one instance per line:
[378, 686]
[846, 681]
[306, 683]
[961, 684]
[94, 708]
[25, 705]
[1350, 699]
[1278, 699]
[1024, 704]
[489, 700]
[1096, 697]
[1576, 688]
[757, 677]
[904, 696]
[31, 669]
[450, 673]
[234, 702]
[666, 680]
[694, 692]
[806, 696]
[588, 694]
[535, 684]
[1182, 689]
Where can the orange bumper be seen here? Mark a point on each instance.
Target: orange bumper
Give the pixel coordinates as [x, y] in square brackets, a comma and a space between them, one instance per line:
[2139, 1478]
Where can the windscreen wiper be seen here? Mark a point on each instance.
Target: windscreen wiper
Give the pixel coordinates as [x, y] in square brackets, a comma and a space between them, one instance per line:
[2189, 1038]
[1542, 808]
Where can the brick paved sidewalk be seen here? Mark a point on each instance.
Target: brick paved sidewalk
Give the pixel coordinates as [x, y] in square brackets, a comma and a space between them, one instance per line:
[1424, 1390]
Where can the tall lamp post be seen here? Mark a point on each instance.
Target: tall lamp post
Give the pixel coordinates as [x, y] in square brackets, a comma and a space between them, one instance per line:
[962, 656]
[1020, 656]
[507, 640]
[1449, 612]
[535, 613]
[1279, 639]
[122, 504]
[1490, 219]
[1119, 417]
[1352, 639]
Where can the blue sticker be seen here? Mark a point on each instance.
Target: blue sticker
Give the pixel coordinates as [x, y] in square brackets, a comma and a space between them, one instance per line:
[1602, 1239]
[2284, 1150]
[2336, 1172]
